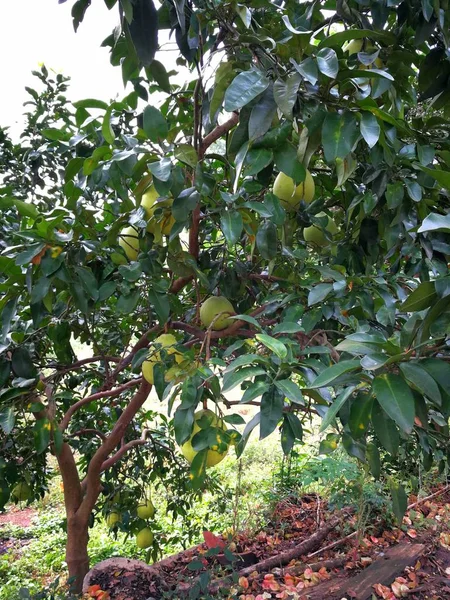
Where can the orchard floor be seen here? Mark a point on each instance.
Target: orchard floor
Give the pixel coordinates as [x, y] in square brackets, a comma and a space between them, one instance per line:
[387, 562]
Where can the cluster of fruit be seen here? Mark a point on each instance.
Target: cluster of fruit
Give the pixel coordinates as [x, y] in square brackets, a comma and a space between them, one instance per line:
[145, 511]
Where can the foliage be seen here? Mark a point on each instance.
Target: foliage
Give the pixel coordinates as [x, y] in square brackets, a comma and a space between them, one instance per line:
[353, 329]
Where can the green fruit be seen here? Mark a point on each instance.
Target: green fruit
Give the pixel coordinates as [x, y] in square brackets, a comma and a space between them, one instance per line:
[214, 306]
[353, 47]
[129, 241]
[146, 510]
[291, 195]
[167, 341]
[144, 538]
[316, 236]
[21, 492]
[163, 223]
[213, 457]
[112, 519]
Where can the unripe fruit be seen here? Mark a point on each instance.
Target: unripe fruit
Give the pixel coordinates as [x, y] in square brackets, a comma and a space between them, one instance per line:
[316, 236]
[146, 510]
[112, 519]
[291, 195]
[213, 457]
[353, 47]
[21, 492]
[129, 241]
[167, 341]
[144, 538]
[149, 203]
[214, 306]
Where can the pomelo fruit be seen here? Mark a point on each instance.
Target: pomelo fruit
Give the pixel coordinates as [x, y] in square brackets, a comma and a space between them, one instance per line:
[144, 538]
[129, 241]
[214, 306]
[168, 342]
[213, 457]
[145, 509]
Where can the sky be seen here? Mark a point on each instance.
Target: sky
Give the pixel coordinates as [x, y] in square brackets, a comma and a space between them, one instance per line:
[36, 31]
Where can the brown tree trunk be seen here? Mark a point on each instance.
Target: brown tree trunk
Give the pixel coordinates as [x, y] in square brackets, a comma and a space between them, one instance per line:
[76, 551]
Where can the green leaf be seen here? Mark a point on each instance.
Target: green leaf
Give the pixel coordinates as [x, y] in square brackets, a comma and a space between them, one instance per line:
[435, 222]
[421, 298]
[42, 430]
[285, 93]
[39, 290]
[160, 304]
[385, 429]
[91, 103]
[266, 240]
[286, 161]
[338, 39]
[291, 391]
[56, 135]
[21, 363]
[5, 370]
[187, 154]
[287, 327]
[257, 160]
[7, 315]
[231, 223]
[255, 390]
[373, 458]
[154, 124]
[330, 374]
[244, 88]
[158, 72]
[26, 209]
[231, 380]
[143, 30]
[421, 380]
[370, 129]
[414, 190]
[394, 194]
[273, 344]
[7, 419]
[439, 370]
[319, 293]
[334, 409]
[327, 62]
[396, 399]
[262, 115]
[442, 177]
[183, 421]
[399, 501]
[107, 130]
[360, 411]
[272, 404]
[308, 69]
[339, 135]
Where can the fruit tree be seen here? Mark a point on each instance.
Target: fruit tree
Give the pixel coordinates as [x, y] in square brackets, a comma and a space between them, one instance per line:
[277, 224]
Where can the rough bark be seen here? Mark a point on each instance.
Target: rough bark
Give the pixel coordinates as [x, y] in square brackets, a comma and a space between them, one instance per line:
[77, 557]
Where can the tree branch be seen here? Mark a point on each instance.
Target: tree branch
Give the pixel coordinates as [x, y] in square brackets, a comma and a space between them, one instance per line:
[97, 396]
[143, 342]
[217, 133]
[73, 494]
[61, 370]
[93, 486]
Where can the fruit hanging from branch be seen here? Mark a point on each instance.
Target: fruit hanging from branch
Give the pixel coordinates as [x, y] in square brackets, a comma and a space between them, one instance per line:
[129, 242]
[168, 343]
[215, 312]
[290, 194]
[203, 420]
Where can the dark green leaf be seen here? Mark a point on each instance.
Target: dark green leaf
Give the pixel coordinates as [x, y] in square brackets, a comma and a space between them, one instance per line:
[231, 224]
[266, 240]
[339, 135]
[319, 293]
[286, 161]
[435, 222]
[144, 30]
[160, 304]
[330, 374]
[360, 411]
[396, 399]
[421, 298]
[327, 62]
[285, 93]
[373, 458]
[7, 420]
[399, 501]
[385, 429]
[291, 391]
[154, 124]
[272, 404]
[21, 363]
[421, 380]
[244, 88]
[273, 344]
[334, 409]
[234, 378]
[370, 129]
[257, 160]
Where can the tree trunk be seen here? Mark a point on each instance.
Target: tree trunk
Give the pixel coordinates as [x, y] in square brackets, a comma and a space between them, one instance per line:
[76, 551]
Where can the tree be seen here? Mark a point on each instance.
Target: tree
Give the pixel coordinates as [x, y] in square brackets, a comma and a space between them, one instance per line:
[339, 283]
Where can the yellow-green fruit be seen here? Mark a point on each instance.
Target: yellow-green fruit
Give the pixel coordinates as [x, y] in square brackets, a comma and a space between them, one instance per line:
[165, 222]
[316, 236]
[146, 510]
[129, 241]
[291, 195]
[214, 306]
[353, 47]
[168, 342]
[112, 519]
[213, 457]
[144, 538]
[21, 492]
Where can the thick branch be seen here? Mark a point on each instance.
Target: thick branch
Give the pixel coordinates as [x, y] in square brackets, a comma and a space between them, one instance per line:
[88, 430]
[217, 133]
[112, 460]
[61, 369]
[95, 466]
[97, 396]
[71, 480]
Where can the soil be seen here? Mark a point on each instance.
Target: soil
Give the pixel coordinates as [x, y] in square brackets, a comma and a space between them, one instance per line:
[21, 518]
[295, 520]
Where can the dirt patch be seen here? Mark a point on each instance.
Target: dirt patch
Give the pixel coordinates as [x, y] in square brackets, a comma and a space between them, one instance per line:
[20, 518]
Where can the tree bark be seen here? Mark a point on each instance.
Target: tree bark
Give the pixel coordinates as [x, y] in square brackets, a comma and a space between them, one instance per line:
[76, 551]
